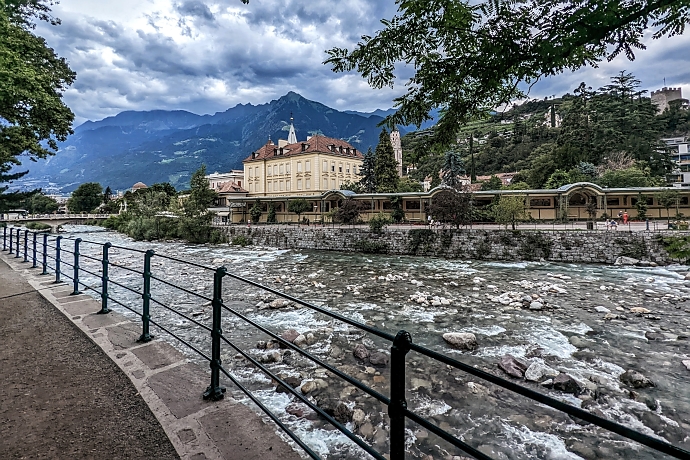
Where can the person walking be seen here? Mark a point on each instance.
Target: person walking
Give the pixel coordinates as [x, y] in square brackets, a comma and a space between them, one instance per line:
[625, 217]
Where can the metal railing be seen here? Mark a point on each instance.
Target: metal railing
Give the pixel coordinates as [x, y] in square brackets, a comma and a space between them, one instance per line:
[401, 345]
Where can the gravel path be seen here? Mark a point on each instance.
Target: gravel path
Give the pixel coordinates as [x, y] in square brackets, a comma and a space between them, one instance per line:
[60, 395]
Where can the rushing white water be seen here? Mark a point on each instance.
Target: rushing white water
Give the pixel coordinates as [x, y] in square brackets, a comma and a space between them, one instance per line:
[391, 293]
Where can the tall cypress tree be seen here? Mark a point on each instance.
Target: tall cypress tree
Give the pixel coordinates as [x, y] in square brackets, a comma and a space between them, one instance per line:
[368, 172]
[386, 167]
[453, 168]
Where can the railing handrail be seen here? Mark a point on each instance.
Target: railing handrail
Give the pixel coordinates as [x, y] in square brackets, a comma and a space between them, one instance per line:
[401, 345]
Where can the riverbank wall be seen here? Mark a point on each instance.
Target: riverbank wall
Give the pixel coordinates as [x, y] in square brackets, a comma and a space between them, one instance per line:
[557, 246]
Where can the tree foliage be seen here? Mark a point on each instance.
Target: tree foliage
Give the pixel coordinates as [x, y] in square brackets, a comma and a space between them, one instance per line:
[85, 198]
[33, 116]
[368, 172]
[38, 203]
[668, 198]
[452, 206]
[453, 168]
[385, 165]
[470, 57]
[510, 209]
[299, 206]
[348, 212]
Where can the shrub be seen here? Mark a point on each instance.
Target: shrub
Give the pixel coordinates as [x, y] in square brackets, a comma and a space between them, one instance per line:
[379, 222]
[241, 240]
[37, 226]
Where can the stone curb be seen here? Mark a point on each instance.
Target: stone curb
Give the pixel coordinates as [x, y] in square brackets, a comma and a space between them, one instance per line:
[168, 382]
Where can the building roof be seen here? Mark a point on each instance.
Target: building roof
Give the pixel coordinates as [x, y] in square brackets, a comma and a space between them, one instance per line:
[139, 185]
[315, 144]
[230, 187]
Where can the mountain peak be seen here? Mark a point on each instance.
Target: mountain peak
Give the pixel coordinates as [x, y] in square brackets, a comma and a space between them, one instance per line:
[292, 96]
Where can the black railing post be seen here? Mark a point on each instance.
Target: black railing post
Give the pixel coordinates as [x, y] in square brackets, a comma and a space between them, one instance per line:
[104, 281]
[11, 241]
[45, 254]
[33, 259]
[75, 277]
[57, 259]
[400, 348]
[4, 238]
[215, 392]
[26, 245]
[17, 253]
[145, 316]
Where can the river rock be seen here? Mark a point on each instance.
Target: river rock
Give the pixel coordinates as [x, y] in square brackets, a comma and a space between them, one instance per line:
[536, 306]
[360, 352]
[635, 379]
[537, 371]
[296, 409]
[342, 413]
[578, 342]
[639, 310]
[626, 261]
[565, 383]
[358, 417]
[290, 335]
[686, 363]
[271, 357]
[294, 382]
[378, 359]
[300, 341]
[515, 367]
[279, 303]
[308, 387]
[602, 309]
[461, 340]
[311, 340]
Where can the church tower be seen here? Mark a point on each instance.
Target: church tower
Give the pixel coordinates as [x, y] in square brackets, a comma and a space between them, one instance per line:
[397, 149]
[292, 137]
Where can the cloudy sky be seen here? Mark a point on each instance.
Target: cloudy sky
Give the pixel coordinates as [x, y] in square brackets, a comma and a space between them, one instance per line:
[208, 55]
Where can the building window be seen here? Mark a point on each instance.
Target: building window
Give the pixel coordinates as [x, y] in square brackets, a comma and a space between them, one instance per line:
[307, 166]
[287, 168]
[412, 205]
[325, 184]
[282, 186]
[325, 166]
[250, 186]
[354, 169]
[287, 185]
[347, 168]
[307, 183]
[612, 201]
[332, 166]
[282, 169]
[333, 184]
[275, 170]
[340, 167]
[256, 172]
[269, 186]
[299, 183]
[275, 185]
[299, 166]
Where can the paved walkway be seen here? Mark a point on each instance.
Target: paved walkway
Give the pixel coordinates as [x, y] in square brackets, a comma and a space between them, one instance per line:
[74, 384]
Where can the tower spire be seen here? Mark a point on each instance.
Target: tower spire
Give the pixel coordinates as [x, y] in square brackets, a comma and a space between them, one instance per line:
[292, 137]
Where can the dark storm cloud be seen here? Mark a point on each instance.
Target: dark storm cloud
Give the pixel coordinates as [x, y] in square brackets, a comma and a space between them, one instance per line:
[195, 9]
[206, 56]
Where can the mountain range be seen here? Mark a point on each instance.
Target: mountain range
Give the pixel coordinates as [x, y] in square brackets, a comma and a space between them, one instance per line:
[168, 146]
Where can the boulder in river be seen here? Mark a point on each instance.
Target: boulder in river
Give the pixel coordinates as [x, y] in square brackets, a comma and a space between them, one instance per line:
[635, 379]
[567, 384]
[686, 363]
[342, 413]
[626, 261]
[378, 359]
[537, 371]
[461, 340]
[515, 367]
[290, 335]
[294, 382]
[360, 352]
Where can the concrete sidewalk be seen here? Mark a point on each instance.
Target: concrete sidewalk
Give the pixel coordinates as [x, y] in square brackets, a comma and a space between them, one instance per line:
[75, 384]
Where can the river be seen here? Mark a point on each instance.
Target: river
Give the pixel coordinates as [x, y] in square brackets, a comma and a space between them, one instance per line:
[569, 318]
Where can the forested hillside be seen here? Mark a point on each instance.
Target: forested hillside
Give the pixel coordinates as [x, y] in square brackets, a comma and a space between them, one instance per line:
[611, 135]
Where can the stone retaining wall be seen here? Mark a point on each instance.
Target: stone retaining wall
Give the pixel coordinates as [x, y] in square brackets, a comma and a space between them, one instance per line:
[557, 246]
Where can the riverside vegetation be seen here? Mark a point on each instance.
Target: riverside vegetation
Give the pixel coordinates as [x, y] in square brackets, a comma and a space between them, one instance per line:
[159, 213]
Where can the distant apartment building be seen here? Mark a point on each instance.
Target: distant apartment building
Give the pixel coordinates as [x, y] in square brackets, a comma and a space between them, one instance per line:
[217, 180]
[678, 148]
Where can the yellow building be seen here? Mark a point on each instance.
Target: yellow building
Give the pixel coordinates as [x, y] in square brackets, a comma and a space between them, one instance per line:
[293, 168]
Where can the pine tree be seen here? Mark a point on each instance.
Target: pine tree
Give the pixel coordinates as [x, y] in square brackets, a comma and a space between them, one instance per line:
[453, 168]
[368, 172]
[386, 167]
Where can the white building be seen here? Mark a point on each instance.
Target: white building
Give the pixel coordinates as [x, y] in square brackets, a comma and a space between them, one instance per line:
[679, 150]
[216, 180]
